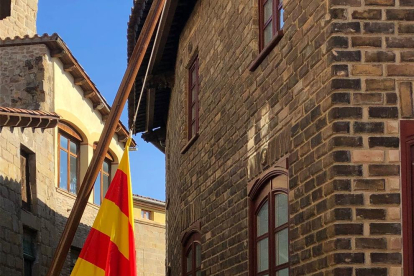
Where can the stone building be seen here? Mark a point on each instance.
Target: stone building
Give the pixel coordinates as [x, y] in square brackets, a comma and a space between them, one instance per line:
[51, 116]
[288, 134]
[149, 215]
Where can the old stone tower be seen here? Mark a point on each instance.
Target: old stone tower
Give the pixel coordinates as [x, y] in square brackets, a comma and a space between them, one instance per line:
[17, 18]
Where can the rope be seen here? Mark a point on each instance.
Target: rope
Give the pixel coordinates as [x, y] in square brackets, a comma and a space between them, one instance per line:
[146, 74]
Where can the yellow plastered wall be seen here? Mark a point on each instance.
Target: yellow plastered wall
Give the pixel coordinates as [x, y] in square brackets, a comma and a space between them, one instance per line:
[69, 97]
[157, 216]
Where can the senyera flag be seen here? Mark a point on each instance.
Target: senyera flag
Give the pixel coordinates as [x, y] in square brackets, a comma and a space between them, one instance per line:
[109, 249]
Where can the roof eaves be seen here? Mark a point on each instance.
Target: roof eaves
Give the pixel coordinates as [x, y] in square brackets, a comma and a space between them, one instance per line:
[59, 49]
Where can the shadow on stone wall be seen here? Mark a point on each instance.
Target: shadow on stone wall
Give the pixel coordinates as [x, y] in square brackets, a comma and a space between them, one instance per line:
[46, 224]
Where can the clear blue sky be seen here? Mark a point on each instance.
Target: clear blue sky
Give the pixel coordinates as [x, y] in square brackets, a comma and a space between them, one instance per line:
[95, 32]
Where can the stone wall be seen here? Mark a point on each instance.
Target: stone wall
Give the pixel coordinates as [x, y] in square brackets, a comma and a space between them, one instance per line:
[12, 217]
[22, 19]
[328, 98]
[150, 248]
[26, 77]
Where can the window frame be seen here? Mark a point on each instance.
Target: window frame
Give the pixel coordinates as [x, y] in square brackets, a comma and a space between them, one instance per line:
[407, 179]
[277, 31]
[275, 19]
[109, 160]
[26, 171]
[150, 214]
[260, 192]
[193, 103]
[190, 243]
[72, 136]
[28, 259]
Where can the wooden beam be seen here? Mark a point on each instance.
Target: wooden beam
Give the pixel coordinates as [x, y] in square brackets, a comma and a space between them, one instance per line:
[80, 81]
[150, 108]
[166, 22]
[98, 106]
[57, 53]
[108, 132]
[89, 94]
[69, 67]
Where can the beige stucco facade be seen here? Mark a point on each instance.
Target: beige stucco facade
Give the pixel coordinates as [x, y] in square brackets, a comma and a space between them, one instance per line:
[32, 77]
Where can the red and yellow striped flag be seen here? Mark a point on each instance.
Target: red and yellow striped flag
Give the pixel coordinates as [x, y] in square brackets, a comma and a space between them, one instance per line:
[109, 249]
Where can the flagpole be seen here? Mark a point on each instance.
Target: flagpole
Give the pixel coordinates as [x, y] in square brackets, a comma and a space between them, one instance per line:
[106, 137]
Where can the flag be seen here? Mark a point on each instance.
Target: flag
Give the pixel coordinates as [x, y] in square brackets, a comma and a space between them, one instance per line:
[109, 249]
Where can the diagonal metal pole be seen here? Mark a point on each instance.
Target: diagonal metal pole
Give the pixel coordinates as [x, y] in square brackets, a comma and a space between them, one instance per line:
[106, 137]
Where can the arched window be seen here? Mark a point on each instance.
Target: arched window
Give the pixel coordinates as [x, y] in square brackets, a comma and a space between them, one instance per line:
[269, 227]
[192, 255]
[69, 144]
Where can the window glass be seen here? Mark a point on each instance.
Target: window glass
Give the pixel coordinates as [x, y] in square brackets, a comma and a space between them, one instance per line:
[198, 255]
[270, 245]
[106, 167]
[105, 184]
[268, 33]
[63, 142]
[263, 220]
[283, 272]
[73, 147]
[190, 260]
[63, 170]
[282, 247]
[263, 255]
[29, 254]
[281, 23]
[97, 191]
[73, 174]
[267, 10]
[281, 209]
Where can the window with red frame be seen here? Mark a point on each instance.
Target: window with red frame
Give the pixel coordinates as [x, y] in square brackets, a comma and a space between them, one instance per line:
[269, 231]
[193, 104]
[192, 256]
[407, 177]
[270, 20]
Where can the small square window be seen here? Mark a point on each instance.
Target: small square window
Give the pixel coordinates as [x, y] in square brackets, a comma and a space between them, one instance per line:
[146, 214]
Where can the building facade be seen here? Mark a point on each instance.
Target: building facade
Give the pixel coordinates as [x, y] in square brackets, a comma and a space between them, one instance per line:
[288, 134]
[51, 117]
[149, 217]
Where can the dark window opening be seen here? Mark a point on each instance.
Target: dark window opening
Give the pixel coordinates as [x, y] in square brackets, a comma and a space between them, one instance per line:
[5, 9]
[271, 20]
[193, 103]
[192, 256]
[28, 178]
[29, 252]
[74, 255]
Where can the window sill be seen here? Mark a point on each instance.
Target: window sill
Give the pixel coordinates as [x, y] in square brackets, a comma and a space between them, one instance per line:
[189, 144]
[263, 54]
[73, 196]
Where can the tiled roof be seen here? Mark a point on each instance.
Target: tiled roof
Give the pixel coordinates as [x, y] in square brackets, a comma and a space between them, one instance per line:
[59, 49]
[17, 117]
[148, 198]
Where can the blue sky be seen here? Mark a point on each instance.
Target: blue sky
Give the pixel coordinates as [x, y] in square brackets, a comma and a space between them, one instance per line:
[95, 32]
